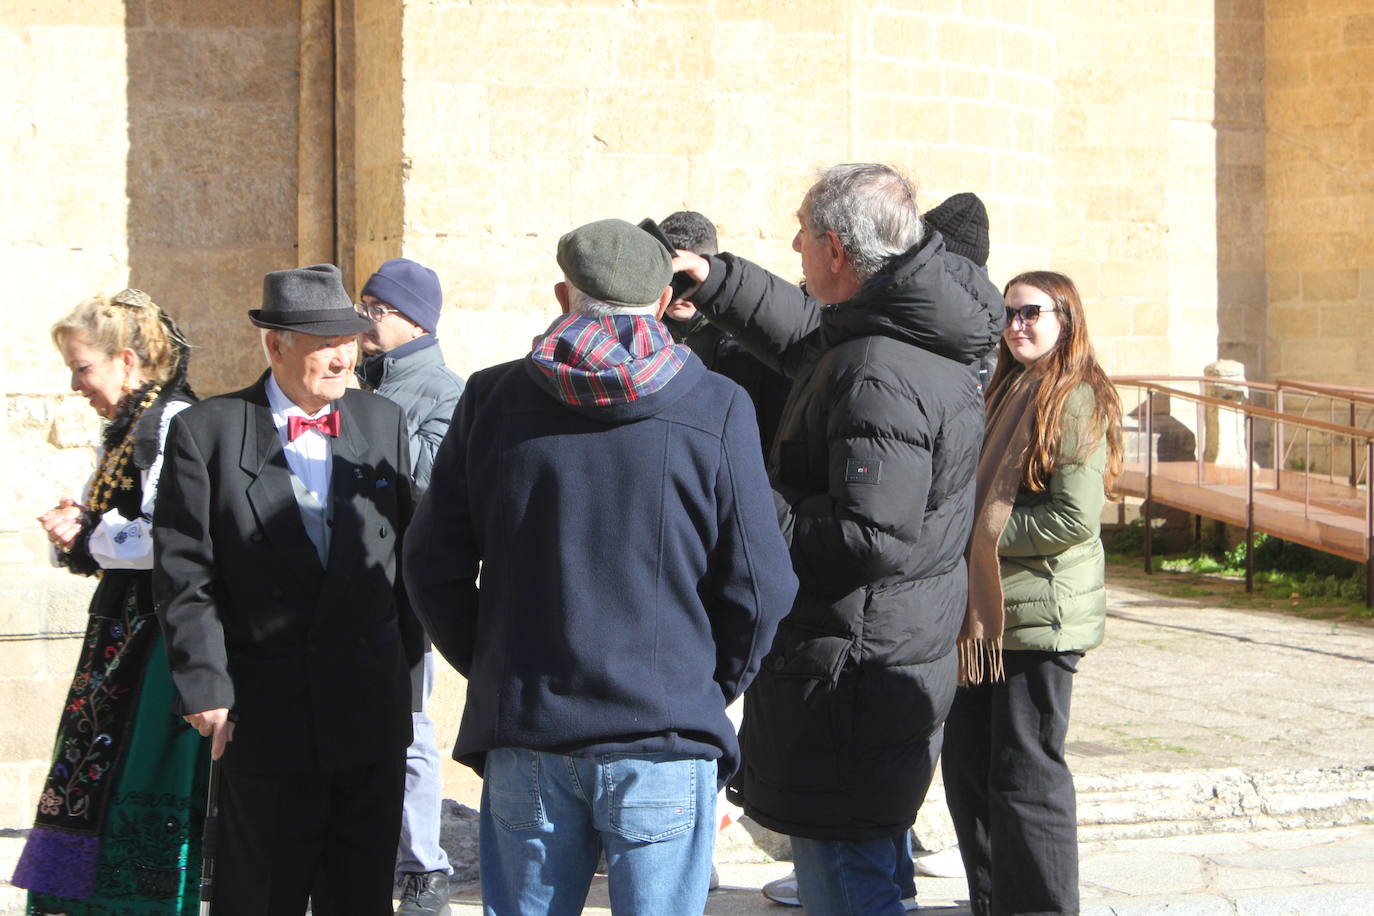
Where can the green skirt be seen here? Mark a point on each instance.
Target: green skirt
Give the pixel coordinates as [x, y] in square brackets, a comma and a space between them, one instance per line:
[148, 859]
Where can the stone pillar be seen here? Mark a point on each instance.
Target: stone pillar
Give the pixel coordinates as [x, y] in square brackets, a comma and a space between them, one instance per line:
[1224, 430]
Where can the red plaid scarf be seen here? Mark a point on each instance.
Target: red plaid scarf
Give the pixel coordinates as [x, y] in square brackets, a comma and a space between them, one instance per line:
[597, 362]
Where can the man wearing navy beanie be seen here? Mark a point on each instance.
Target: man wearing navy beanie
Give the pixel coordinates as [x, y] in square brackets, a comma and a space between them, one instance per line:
[404, 364]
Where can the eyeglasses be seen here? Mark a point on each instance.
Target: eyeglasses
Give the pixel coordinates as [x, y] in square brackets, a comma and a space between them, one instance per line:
[376, 311]
[1028, 314]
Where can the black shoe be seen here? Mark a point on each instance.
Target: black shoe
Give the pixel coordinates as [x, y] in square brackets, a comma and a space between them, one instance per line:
[424, 894]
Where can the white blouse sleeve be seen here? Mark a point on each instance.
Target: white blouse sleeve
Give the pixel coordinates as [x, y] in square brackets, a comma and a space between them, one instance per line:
[117, 542]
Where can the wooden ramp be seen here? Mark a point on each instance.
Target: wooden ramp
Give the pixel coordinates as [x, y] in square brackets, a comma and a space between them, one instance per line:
[1330, 510]
[1322, 516]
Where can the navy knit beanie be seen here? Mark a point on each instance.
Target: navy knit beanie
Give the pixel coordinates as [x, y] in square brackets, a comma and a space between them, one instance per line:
[410, 288]
[963, 221]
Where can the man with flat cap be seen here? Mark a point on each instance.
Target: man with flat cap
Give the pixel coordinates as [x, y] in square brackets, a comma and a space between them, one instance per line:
[610, 492]
[289, 637]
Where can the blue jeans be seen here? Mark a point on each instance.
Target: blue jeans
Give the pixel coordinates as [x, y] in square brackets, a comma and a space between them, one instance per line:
[853, 877]
[546, 817]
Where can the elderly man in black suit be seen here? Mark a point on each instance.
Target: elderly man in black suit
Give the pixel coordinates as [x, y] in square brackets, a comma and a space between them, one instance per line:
[288, 632]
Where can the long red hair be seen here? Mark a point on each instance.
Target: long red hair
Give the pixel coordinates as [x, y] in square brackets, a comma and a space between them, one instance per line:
[1071, 363]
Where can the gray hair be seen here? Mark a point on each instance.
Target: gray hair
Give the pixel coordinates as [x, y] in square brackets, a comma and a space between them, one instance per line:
[284, 335]
[871, 208]
[579, 303]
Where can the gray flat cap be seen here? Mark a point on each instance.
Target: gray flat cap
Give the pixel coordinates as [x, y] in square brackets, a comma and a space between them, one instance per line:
[615, 262]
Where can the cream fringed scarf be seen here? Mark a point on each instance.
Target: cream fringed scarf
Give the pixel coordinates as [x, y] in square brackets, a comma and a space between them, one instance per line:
[1007, 436]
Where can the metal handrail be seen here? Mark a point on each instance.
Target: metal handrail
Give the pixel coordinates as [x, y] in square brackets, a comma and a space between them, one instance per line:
[1352, 395]
[1201, 379]
[1263, 413]
[1337, 392]
[1152, 385]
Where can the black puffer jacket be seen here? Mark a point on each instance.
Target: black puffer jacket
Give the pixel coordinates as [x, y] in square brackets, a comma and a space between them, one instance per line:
[873, 477]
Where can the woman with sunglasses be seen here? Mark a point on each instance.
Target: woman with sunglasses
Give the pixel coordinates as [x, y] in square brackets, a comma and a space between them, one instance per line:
[1037, 602]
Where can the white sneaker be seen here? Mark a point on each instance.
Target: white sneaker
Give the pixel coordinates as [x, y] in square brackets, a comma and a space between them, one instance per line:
[945, 863]
[784, 891]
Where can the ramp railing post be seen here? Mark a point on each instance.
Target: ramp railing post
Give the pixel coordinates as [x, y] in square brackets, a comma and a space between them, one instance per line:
[1368, 523]
[1149, 476]
[1249, 505]
[1278, 442]
[1353, 476]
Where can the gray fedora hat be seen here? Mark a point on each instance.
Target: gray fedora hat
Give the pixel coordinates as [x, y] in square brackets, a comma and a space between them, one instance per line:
[308, 300]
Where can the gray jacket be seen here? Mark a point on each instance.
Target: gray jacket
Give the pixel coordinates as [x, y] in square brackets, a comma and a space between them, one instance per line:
[414, 376]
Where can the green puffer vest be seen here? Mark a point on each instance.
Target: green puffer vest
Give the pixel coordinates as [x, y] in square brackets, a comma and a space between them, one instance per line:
[1053, 567]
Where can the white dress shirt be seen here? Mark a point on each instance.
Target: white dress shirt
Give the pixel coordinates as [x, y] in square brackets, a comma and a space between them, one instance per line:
[309, 457]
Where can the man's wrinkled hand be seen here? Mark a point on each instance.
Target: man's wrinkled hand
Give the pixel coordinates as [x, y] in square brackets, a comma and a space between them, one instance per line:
[216, 725]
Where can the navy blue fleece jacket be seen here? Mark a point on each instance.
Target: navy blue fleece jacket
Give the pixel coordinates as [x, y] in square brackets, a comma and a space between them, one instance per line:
[632, 573]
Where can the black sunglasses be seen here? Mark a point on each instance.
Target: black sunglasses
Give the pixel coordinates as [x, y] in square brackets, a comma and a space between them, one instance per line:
[1029, 314]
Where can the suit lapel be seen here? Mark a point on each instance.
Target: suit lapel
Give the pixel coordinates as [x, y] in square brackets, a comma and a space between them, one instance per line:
[269, 492]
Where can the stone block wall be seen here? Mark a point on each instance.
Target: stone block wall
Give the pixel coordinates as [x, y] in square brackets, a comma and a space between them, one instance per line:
[1319, 189]
[963, 100]
[212, 95]
[1134, 164]
[149, 143]
[63, 235]
[1242, 283]
[555, 115]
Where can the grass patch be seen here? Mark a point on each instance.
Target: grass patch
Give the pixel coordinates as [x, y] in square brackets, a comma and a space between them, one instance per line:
[1287, 576]
[1227, 589]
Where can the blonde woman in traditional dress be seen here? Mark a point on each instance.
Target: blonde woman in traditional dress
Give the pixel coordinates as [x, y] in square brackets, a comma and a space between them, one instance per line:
[1037, 602]
[120, 815]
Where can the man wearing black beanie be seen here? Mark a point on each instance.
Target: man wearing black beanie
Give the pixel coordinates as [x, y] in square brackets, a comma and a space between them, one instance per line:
[963, 221]
[404, 364]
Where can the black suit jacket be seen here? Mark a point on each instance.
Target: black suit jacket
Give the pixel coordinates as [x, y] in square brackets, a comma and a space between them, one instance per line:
[312, 660]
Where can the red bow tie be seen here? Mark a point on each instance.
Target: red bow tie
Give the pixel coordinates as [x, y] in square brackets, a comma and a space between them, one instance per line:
[328, 424]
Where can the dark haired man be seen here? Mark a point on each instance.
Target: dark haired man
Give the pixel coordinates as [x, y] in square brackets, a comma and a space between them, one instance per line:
[689, 230]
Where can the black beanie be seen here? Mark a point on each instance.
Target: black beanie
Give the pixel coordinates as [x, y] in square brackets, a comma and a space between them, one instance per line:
[963, 221]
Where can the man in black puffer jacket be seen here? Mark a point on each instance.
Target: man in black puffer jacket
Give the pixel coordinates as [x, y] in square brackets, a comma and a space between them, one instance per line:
[873, 479]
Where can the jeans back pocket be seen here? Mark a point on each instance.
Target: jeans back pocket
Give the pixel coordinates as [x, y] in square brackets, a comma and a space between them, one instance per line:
[652, 797]
[511, 778]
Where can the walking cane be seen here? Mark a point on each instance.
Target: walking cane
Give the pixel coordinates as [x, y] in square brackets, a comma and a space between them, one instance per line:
[209, 841]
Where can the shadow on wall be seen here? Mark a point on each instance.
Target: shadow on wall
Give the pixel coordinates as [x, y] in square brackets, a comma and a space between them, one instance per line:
[1242, 283]
[211, 177]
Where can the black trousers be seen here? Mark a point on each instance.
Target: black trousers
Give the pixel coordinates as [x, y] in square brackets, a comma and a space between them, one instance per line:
[1009, 790]
[327, 838]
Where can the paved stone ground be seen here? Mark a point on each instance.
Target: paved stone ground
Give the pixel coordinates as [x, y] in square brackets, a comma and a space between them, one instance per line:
[1225, 765]
[1326, 872]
